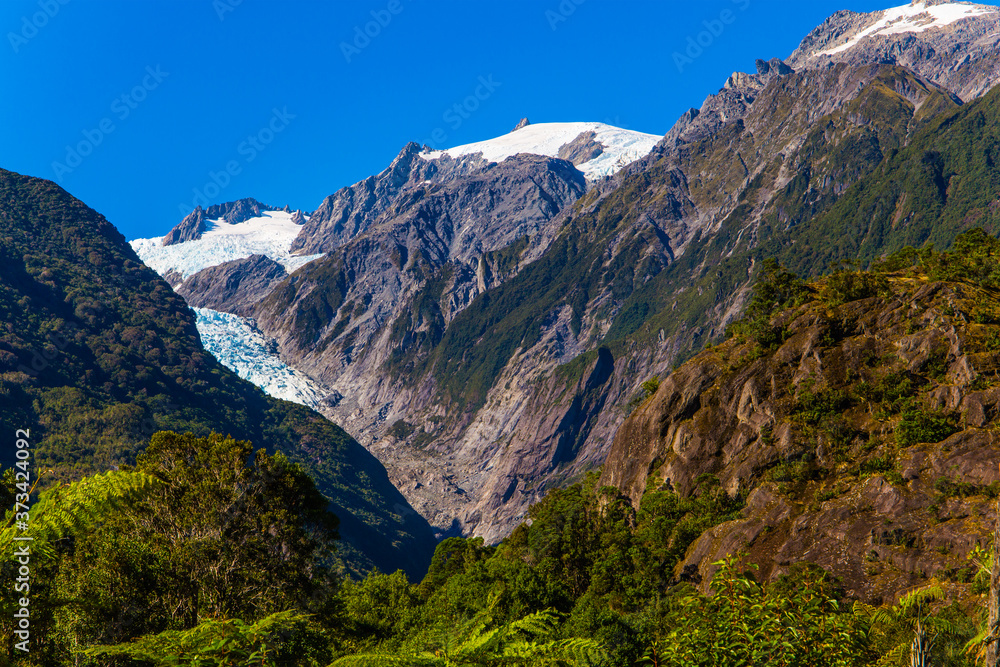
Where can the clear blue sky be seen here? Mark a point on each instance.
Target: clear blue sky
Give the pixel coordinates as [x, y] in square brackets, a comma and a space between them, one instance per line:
[160, 95]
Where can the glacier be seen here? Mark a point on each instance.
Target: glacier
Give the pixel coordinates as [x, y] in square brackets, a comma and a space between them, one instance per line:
[241, 347]
[270, 235]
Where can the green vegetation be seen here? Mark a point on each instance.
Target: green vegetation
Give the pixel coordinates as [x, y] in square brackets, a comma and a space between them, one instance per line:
[793, 622]
[917, 424]
[97, 353]
[215, 643]
[589, 582]
[476, 643]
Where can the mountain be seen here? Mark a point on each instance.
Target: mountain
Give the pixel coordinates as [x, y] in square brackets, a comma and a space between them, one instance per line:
[951, 43]
[860, 437]
[484, 316]
[98, 353]
[404, 252]
[193, 226]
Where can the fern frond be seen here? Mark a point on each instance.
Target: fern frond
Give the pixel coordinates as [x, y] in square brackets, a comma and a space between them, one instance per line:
[574, 651]
[864, 610]
[73, 508]
[203, 644]
[540, 624]
[387, 660]
[926, 593]
[893, 657]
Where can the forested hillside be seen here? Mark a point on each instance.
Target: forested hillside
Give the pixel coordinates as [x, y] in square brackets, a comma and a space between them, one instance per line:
[97, 353]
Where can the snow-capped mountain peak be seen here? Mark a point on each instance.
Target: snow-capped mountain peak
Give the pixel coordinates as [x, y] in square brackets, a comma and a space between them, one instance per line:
[596, 149]
[918, 16]
[271, 234]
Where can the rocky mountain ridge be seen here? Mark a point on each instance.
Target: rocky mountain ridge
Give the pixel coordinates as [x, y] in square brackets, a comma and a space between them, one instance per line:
[951, 43]
[863, 438]
[485, 360]
[194, 225]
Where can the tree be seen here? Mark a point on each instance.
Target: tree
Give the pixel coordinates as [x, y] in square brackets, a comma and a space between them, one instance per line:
[906, 630]
[743, 624]
[225, 534]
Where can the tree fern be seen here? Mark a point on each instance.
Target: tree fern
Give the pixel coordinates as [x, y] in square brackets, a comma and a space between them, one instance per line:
[906, 615]
[71, 509]
[213, 643]
[514, 643]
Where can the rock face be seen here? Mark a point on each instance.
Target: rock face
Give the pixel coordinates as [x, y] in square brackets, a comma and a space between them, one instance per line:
[814, 435]
[440, 244]
[923, 37]
[488, 324]
[352, 210]
[585, 147]
[192, 226]
[232, 287]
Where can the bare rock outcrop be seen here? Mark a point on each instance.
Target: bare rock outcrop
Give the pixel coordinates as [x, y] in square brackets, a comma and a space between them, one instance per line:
[864, 443]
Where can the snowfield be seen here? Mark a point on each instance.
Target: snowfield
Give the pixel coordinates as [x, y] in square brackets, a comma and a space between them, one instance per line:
[237, 343]
[270, 235]
[915, 17]
[621, 147]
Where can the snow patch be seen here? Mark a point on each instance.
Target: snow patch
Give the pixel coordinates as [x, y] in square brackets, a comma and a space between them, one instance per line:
[915, 17]
[240, 346]
[270, 235]
[621, 147]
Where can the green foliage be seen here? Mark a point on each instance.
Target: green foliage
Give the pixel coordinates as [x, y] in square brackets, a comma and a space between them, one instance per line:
[957, 488]
[815, 407]
[974, 258]
[894, 627]
[72, 509]
[378, 610]
[845, 285]
[775, 289]
[888, 392]
[483, 642]
[216, 643]
[744, 623]
[585, 553]
[800, 470]
[917, 424]
[876, 466]
[225, 533]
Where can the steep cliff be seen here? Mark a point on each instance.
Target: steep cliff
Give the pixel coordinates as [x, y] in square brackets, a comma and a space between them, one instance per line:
[859, 427]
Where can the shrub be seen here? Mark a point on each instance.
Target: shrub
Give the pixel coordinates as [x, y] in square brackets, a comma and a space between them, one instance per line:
[844, 286]
[919, 425]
